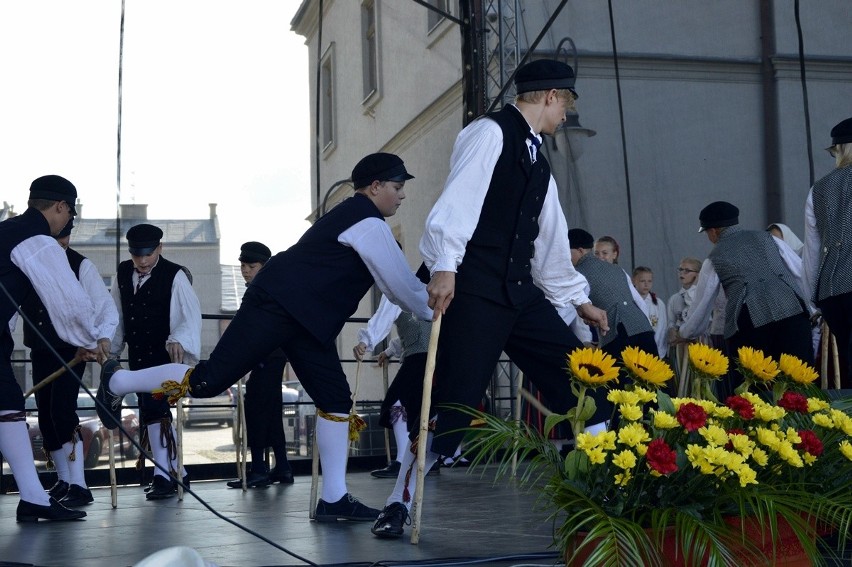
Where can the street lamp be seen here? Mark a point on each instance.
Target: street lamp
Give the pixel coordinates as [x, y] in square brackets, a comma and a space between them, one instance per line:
[321, 211]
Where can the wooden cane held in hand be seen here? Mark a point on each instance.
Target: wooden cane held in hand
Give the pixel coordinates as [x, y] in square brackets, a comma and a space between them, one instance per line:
[424, 427]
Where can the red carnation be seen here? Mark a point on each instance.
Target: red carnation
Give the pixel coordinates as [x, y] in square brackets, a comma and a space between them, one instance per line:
[661, 457]
[741, 405]
[794, 401]
[810, 443]
[691, 416]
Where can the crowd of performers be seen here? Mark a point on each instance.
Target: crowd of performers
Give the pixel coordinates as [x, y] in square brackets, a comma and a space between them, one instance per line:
[500, 267]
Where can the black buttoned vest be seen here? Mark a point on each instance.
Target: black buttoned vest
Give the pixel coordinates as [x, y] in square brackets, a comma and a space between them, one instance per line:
[35, 310]
[318, 280]
[497, 259]
[832, 200]
[610, 291]
[146, 314]
[752, 272]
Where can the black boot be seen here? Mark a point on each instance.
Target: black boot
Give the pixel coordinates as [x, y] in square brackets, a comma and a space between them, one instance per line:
[161, 488]
[253, 480]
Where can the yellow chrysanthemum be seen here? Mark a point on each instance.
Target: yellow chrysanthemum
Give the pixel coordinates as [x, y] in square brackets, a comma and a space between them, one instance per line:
[645, 396]
[663, 420]
[592, 367]
[715, 435]
[624, 460]
[747, 476]
[623, 397]
[596, 456]
[815, 405]
[846, 449]
[707, 361]
[646, 367]
[757, 366]
[633, 434]
[759, 456]
[842, 421]
[630, 412]
[796, 370]
[623, 479]
[823, 420]
[742, 444]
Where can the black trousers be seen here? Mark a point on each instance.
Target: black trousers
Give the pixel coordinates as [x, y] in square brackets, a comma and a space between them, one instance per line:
[260, 326]
[474, 332]
[264, 411]
[837, 312]
[56, 402]
[11, 395]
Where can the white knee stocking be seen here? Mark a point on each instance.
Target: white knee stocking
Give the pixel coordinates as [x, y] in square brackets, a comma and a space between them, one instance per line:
[16, 449]
[333, 444]
[160, 453]
[403, 490]
[124, 382]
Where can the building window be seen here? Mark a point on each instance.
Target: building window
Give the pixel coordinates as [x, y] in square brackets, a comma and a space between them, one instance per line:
[327, 118]
[434, 18]
[369, 49]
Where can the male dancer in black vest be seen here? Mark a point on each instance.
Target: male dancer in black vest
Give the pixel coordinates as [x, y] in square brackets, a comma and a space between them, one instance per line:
[827, 254]
[160, 320]
[263, 402]
[299, 302]
[32, 262]
[496, 244]
[57, 402]
[762, 279]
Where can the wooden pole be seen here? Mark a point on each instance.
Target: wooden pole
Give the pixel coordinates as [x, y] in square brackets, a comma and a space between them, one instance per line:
[387, 431]
[113, 485]
[825, 337]
[836, 359]
[179, 471]
[517, 418]
[425, 406]
[312, 505]
[242, 438]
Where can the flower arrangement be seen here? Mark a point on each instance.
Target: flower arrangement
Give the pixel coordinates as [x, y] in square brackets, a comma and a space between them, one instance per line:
[692, 469]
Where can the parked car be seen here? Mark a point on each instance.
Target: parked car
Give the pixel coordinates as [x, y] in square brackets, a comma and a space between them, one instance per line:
[218, 409]
[95, 435]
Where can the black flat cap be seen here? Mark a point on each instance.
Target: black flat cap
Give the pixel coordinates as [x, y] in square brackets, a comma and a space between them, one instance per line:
[54, 188]
[379, 167]
[252, 252]
[718, 214]
[579, 238]
[143, 239]
[842, 133]
[67, 230]
[543, 75]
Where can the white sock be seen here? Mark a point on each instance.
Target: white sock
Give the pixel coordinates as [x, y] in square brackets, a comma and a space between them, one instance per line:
[16, 449]
[333, 445]
[409, 461]
[60, 461]
[160, 454]
[76, 472]
[124, 382]
[400, 435]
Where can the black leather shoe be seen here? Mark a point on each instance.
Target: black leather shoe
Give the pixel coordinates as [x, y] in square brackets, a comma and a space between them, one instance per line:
[77, 496]
[29, 512]
[58, 490]
[253, 480]
[282, 474]
[347, 508]
[390, 471]
[161, 488]
[390, 522]
[109, 408]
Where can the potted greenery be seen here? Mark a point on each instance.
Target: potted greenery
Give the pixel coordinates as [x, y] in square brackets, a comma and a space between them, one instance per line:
[755, 480]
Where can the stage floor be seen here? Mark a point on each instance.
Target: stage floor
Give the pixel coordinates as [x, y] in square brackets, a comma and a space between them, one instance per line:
[465, 518]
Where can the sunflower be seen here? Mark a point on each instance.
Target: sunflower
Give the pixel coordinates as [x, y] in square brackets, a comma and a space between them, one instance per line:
[756, 366]
[796, 370]
[592, 367]
[646, 367]
[707, 362]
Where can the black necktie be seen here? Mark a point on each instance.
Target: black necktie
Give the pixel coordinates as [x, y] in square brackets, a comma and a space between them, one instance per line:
[535, 144]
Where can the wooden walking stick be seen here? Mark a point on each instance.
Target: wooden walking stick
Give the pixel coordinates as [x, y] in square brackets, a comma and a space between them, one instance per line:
[424, 427]
[517, 418]
[179, 472]
[836, 359]
[113, 486]
[74, 361]
[242, 438]
[387, 431]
